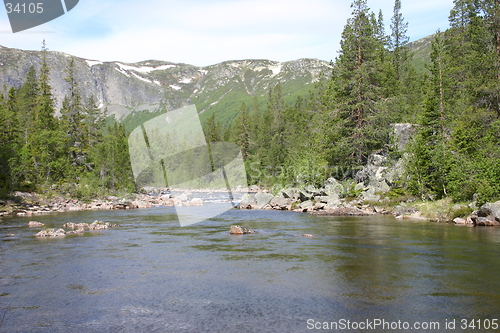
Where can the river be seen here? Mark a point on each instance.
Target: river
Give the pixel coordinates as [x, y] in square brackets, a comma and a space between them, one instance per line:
[151, 275]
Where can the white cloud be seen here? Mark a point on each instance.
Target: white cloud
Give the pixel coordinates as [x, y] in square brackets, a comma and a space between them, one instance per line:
[207, 32]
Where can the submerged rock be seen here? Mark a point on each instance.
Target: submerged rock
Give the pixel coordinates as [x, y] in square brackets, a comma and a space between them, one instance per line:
[76, 232]
[51, 233]
[239, 230]
[73, 226]
[98, 225]
[34, 224]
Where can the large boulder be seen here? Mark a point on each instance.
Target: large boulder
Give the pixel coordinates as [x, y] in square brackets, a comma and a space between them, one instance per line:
[333, 187]
[402, 134]
[487, 215]
[330, 201]
[263, 199]
[373, 172]
[371, 192]
[305, 206]
[281, 203]
[248, 201]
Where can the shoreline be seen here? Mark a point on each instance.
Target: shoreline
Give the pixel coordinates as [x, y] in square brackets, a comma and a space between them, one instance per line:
[315, 202]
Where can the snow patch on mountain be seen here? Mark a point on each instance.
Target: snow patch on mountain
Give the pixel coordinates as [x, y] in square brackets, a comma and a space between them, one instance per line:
[186, 80]
[141, 78]
[276, 69]
[91, 63]
[144, 69]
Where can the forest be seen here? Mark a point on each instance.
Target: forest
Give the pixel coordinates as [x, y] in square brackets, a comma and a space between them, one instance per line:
[454, 104]
[74, 154]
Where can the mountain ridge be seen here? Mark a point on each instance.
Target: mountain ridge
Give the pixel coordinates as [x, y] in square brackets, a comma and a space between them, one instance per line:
[158, 85]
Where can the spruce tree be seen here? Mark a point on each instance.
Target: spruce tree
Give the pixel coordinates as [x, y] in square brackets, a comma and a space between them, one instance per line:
[358, 81]
[242, 130]
[399, 41]
[72, 115]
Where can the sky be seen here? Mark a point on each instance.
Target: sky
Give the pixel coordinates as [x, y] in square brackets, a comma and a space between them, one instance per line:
[206, 32]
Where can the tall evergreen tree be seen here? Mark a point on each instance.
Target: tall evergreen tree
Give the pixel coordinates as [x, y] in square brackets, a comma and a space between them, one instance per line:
[399, 40]
[359, 77]
[73, 118]
[242, 130]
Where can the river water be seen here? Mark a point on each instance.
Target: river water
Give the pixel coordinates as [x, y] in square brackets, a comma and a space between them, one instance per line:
[151, 275]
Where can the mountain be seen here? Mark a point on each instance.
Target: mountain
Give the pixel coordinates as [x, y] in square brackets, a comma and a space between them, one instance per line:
[421, 50]
[149, 87]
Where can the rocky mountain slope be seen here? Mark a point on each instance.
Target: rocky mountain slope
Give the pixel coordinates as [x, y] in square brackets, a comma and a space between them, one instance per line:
[155, 86]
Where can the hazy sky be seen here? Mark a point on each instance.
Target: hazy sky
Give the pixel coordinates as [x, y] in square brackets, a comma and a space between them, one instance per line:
[211, 31]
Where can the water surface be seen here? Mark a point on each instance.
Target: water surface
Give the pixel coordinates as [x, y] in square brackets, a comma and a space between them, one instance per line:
[151, 275]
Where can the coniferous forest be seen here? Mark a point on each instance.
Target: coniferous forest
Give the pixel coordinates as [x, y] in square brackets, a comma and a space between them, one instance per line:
[454, 104]
[74, 153]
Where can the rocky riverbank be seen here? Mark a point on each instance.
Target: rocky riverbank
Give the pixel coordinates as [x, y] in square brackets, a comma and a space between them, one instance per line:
[28, 204]
[330, 200]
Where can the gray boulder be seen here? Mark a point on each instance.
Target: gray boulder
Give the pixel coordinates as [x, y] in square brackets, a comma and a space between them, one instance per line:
[329, 201]
[281, 203]
[370, 194]
[263, 199]
[333, 187]
[487, 215]
[374, 170]
[402, 134]
[248, 201]
[306, 206]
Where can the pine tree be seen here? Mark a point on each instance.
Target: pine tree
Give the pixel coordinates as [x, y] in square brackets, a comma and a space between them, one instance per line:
[359, 77]
[399, 41]
[73, 122]
[429, 165]
[113, 168]
[10, 141]
[93, 122]
[242, 130]
[48, 139]
[212, 130]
